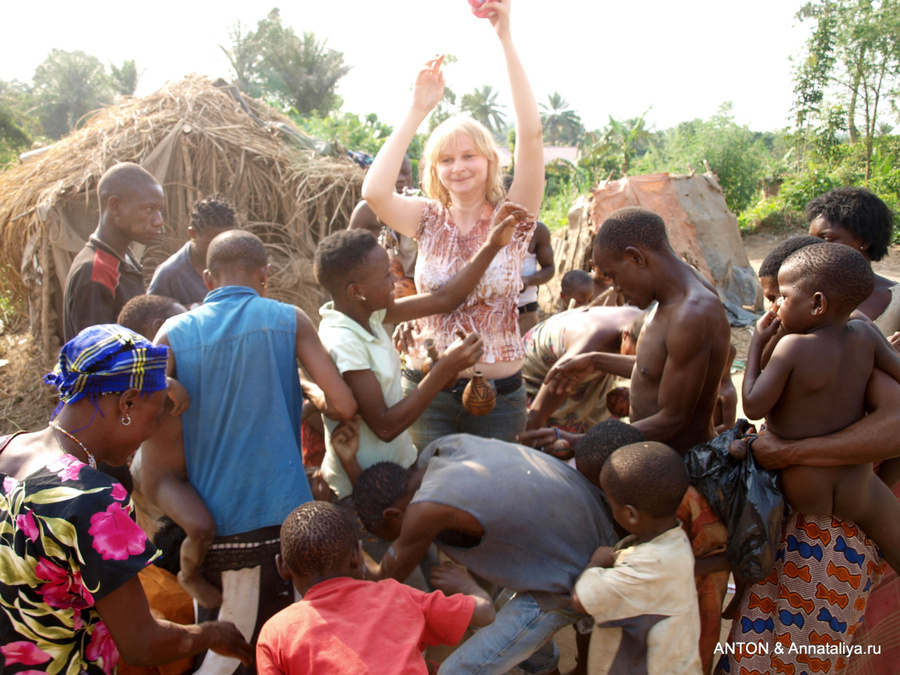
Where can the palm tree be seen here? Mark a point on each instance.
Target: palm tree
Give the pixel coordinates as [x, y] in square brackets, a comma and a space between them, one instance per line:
[561, 124]
[482, 105]
[627, 137]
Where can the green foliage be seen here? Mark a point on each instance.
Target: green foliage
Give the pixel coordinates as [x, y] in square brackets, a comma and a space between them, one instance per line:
[298, 72]
[562, 125]
[482, 105]
[853, 59]
[68, 86]
[555, 207]
[18, 129]
[848, 167]
[737, 156]
[124, 79]
[353, 132]
[363, 134]
[610, 152]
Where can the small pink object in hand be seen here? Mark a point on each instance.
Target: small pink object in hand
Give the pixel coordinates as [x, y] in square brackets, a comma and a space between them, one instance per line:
[478, 5]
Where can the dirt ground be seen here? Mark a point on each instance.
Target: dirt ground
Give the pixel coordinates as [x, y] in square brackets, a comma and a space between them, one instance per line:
[26, 403]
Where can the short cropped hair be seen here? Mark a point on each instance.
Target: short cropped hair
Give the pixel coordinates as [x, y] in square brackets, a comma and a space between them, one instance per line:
[235, 249]
[574, 280]
[339, 255]
[213, 213]
[649, 476]
[316, 538]
[595, 447]
[484, 144]
[839, 272]
[120, 178]
[142, 311]
[378, 488]
[860, 211]
[632, 226]
[772, 262]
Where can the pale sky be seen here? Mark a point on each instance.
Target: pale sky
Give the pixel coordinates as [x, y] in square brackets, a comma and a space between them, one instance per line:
[682, 58]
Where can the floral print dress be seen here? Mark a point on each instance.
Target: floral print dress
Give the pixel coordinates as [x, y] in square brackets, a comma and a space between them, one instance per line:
[67, 539]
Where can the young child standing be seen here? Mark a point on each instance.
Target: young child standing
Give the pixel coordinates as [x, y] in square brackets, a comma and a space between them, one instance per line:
[351, 626]
[641, 592]
[815, 382]
[355, 270]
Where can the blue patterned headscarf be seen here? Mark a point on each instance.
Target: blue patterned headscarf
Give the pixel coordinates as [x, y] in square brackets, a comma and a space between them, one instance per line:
[107, 359]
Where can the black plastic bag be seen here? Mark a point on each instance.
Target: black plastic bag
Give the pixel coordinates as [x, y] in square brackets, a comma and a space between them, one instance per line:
[745, 497]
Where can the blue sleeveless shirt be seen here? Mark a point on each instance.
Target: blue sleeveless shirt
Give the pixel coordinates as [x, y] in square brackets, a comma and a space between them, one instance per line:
[236, 356]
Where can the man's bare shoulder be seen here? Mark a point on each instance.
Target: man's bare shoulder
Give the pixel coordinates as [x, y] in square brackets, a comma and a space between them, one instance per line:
[702, 307]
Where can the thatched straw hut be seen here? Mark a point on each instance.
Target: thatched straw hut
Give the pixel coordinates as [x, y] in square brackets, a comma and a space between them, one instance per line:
[197, 137]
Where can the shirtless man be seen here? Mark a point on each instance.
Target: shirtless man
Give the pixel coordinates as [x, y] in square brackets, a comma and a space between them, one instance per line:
[594, 329]
[683, 348]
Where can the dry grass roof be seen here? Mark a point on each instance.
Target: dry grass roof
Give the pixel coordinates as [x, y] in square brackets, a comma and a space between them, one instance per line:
[197, 138]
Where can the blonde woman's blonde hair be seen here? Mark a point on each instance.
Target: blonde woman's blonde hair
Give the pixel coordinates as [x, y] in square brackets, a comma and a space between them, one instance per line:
[484, 145]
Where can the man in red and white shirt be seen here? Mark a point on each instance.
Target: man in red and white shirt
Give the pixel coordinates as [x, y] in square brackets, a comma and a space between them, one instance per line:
[105, 274]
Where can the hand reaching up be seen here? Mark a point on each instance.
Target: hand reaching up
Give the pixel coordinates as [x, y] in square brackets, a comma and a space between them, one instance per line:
[428, 88]
[505, 220]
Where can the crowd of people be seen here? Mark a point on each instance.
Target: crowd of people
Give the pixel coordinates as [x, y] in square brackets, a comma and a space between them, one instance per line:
[225, 546]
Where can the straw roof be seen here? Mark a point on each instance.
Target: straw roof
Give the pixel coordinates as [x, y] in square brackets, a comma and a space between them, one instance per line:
[197, 137]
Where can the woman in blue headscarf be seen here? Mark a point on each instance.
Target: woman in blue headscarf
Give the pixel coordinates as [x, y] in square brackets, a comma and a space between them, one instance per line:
[70, 551]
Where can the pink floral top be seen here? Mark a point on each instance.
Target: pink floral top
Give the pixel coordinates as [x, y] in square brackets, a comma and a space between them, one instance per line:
[67, 539]
[492, 309]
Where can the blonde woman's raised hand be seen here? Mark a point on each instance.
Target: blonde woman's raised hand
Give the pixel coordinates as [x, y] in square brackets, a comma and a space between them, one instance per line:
[428, 88]
[497, 11]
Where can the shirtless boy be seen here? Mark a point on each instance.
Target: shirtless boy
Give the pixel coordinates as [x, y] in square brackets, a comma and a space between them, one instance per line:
[815, 383]
[683, 349]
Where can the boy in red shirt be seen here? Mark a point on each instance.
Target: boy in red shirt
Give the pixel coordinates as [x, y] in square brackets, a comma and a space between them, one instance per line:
[347, 625]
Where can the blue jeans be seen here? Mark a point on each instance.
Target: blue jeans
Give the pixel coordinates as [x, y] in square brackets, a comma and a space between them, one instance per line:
[446, 415]
[521, 635]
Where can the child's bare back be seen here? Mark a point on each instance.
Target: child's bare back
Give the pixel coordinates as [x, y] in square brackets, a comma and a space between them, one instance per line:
[815, 384]
[827, 372]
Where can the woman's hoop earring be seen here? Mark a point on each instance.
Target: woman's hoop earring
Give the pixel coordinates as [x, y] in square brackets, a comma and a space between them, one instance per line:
[126, 419]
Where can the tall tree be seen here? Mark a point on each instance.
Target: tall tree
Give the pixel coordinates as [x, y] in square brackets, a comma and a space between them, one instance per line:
[297, 71]
[482, 105]
[853, 55]
[17, 127]
[67, 86]
[124, 79]
[244, 56]
[562, 125]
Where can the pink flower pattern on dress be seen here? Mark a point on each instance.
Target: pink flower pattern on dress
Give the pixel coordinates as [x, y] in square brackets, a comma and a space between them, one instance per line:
[63, 589]
[101, 649]
[119, 493]
[26, 653]
[116, 535]
[55, 527]
[28, 525]
[66, 467]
